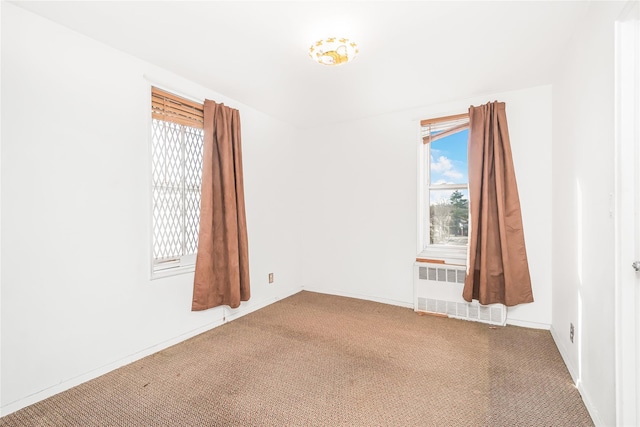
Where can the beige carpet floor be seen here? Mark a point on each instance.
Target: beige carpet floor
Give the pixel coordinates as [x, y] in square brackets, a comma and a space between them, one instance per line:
[321, 360]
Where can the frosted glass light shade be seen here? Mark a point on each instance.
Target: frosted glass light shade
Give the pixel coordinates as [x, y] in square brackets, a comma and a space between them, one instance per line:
[333, 51]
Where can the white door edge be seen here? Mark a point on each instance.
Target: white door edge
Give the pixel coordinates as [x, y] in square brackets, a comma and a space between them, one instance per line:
[627, 207]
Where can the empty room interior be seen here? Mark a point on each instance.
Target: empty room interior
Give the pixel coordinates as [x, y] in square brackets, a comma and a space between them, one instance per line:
[339, 177]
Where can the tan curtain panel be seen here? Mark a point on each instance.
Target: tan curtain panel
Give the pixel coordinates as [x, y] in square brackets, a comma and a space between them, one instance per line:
[498, 270]
[222, 263]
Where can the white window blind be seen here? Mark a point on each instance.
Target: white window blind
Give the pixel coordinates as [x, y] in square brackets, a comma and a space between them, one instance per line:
[435, 129]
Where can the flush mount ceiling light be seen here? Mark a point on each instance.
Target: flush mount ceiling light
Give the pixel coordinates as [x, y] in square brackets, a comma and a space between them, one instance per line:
[333, 51]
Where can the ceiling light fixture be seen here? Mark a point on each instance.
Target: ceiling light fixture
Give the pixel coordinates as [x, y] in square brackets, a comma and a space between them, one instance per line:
[333, 51]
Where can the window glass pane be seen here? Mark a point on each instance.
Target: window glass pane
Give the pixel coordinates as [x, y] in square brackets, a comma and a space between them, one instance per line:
[448, 162]
[167, 223]
[449, 217]
[194, 142]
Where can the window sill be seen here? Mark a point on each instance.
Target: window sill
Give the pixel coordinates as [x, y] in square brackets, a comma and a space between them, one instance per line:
[443, 255]
[174, 271]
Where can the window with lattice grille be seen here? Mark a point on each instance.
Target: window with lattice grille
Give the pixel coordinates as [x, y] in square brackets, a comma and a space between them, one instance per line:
[176, 153]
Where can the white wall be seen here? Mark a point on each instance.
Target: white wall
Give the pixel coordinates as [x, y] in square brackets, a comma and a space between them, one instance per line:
[363, 180]
[583, 227]
[76, 296]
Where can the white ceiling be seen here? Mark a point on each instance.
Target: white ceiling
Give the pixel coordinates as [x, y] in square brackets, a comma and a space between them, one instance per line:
[412, 54]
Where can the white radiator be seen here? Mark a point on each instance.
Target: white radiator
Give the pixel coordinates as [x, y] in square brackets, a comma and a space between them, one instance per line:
[438, 289]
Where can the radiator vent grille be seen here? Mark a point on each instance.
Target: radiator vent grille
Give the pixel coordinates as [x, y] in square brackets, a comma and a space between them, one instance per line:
[463, 310]
[438, 289]
[441, 274]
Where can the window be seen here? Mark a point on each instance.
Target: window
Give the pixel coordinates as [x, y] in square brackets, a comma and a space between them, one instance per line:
[177, 138]
[444, 191]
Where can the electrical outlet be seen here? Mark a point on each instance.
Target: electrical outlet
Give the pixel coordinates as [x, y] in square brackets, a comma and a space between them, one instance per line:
[571, 331]
[270, 277]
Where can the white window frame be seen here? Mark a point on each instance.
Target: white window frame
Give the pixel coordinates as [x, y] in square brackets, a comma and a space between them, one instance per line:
[179, 265]
[450, 254]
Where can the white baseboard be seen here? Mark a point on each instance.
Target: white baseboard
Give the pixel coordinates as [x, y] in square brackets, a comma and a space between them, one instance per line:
[575, 376]
[230, 314]
[527, 323]
[359, 296]
[515, 322]
[590, 407]
[564, 353]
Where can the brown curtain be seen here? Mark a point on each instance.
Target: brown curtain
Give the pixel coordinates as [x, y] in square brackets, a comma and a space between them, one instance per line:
[222, 263]
[498, 271]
